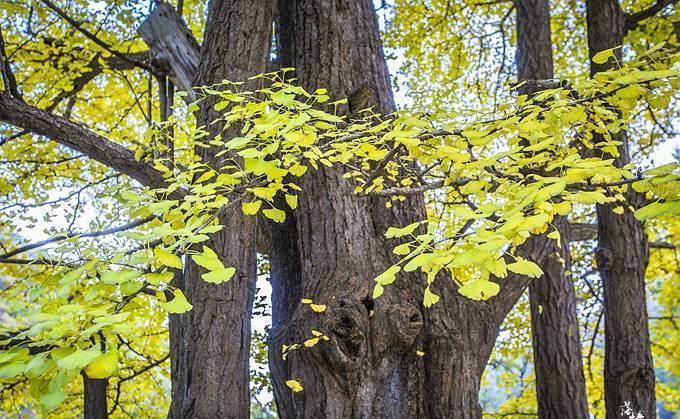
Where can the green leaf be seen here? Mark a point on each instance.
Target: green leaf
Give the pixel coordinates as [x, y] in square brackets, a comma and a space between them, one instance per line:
[525, 267]
[400, 232]
[78, 359]
[275, 214]
[178, 304]
[604, 56]
[155, 278]
[50, 401]
[165, 258]
[208, 259]
[219, 276]
[116, 277]
[656, 209]
[663, 170]
[479, 289]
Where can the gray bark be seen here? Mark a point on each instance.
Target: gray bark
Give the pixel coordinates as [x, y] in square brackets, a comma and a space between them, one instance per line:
[210, 344]
[172, 46]
[560, 382]
[622, 257]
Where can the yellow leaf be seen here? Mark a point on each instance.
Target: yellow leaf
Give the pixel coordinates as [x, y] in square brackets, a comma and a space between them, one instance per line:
[292, 201]
[178, 304]
[399, 232]
[388, 276]
[420, 353]
[104, 366]
[311, 342]
[297, 170]
[318, 308]
[430, 298]
[294, 385]
[275, 214]
[479, 289]
[251, 208]
[525, 267]
[165, 258]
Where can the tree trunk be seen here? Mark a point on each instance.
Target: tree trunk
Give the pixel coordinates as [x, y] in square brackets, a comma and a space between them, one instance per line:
[622, 257]
[95, 398]
[210, 344]
[369, 367]
[560, 382]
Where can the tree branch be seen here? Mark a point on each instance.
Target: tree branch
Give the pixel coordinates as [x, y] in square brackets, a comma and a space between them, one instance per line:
[6, 70]
[20, 114]
[96, 40]
[632, 20]
[585, 231]
[112, 230]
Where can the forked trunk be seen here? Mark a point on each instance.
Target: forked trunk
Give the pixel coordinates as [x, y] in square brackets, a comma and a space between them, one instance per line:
[370, 367]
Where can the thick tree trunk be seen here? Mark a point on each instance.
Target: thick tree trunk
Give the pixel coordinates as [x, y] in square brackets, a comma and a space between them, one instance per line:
[560, 383]
[369, 367]
[210, 344]
[622, 257]
[95, 398]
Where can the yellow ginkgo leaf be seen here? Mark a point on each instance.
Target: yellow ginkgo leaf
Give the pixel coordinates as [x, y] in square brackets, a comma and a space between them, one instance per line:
[275, 214]
[104, 366]
[251, 208]
[165, 258]
[294, 385]
[318, 308]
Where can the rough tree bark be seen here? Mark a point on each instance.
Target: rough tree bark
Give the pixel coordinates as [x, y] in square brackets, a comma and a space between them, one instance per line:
[210, 344]
[622, 257]
[560, 382]
[95, 398]
[369, 367]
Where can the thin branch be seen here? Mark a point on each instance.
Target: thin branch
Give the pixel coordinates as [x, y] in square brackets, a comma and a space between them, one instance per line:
[96, 40]
[7, 75]
[108, 231]
[632, 20]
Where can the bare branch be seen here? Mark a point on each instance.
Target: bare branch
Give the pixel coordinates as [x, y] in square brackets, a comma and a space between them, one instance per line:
[76, 137]
[112, 230]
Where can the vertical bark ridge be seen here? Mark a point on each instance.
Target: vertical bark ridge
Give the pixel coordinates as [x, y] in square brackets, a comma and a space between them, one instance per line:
[210, 356]
[560, 382]
[622, 257]
[369, 367]
[95, 398]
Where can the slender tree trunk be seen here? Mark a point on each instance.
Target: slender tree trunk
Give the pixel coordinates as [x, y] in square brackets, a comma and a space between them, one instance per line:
[622, 257]
[210, 344]
[95, 398]
[560, 382]
[369, 367]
